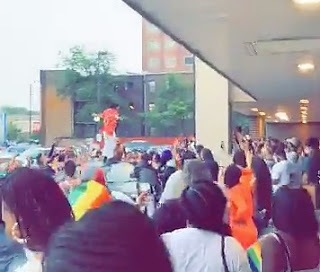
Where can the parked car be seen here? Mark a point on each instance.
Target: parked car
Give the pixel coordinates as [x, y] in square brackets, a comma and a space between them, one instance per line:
[32, 153]
[120, 179]
[137, 146]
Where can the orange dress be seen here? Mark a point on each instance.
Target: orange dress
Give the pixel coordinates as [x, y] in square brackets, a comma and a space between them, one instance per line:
[241, 211]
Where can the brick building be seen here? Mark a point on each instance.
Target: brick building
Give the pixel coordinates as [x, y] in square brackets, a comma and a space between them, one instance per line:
[162, 54]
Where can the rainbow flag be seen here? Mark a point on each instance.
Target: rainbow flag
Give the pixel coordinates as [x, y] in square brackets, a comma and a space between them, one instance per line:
[88, 195]
[254, 257]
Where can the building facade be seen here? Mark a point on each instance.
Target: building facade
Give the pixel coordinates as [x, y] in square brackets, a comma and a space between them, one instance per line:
[138, 92]
[162, 54]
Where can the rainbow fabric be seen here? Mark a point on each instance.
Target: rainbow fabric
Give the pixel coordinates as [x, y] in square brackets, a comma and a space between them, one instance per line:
[88, 195]
[254, 257]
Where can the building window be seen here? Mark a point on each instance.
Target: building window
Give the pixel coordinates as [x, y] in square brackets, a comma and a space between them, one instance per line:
[169, 43]
[188, 60]
[152, 86]
[153, 46]
[129, 85]
[151, 106]
[154, 63]
[171, 62]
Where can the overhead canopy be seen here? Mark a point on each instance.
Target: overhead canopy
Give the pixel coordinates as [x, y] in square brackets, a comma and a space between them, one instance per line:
[257, 45]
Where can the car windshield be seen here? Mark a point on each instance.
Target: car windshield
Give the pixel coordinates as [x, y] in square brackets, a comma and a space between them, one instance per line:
[138, 145]
[33, 152]
[16, 149]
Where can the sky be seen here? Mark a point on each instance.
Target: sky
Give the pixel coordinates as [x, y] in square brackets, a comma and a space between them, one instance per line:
[34, 33]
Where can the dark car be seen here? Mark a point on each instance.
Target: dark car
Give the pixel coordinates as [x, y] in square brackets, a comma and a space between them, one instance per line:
[137, 146]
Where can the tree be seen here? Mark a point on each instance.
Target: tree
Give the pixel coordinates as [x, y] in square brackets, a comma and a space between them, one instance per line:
[88, 81]
[17, 110]
[13, 132]
[174, 104]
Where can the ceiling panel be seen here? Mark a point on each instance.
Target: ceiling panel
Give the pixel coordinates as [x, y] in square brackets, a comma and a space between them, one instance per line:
[219, 31]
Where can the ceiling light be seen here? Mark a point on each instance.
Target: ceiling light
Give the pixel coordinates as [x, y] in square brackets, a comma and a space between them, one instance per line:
[262, 113]
[269, 117]
[304, 121]
[306, 67]
[304, 101]
[306, 2]
[254, 109]
[283, 116]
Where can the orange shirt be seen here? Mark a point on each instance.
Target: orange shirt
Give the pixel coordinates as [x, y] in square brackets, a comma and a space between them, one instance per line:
[242, 209]
[110, 121]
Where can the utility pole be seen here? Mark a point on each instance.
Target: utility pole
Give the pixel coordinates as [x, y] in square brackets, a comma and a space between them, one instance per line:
[30, 111]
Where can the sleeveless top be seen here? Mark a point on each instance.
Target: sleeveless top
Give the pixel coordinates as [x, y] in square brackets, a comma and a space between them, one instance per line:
[288, 256]
[255, 258]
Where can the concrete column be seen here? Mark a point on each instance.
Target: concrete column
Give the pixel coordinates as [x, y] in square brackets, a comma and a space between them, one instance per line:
[212, 111]
[261, 124]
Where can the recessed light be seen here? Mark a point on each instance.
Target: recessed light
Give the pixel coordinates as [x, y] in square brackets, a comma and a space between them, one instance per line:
[262, 113]
[306, 2]
[254, 109]
[304, 101]
[269, 117]
[306, 67]
[283, 116]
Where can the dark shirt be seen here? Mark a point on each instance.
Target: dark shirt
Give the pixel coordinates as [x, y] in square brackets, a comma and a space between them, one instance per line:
[12, 254]
[263, 193]
[313, 167]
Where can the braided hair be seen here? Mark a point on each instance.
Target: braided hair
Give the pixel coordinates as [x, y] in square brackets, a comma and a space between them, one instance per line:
[115, 237]
[38, 205]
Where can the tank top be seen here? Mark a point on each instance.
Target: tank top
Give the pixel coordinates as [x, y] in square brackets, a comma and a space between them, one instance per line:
[288, 257]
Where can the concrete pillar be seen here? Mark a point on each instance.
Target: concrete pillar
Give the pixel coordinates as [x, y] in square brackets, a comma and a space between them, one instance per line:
[261, 124]
[212, 111]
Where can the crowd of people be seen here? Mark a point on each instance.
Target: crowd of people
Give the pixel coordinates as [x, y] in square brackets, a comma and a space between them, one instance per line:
[60, 215]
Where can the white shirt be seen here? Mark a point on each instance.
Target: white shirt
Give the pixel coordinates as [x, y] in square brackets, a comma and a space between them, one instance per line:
[174, 187]
[280, 172]
[195, 250]
[33, 263]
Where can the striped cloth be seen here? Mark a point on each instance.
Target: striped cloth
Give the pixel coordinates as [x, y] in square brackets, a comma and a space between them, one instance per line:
[254, 257]
[88, 195]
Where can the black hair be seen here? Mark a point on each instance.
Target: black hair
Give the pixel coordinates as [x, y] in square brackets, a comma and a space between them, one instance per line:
[293, 213]
[239, 158]
[204, 205]
[115, 237]
[199, 148]
[61, 158]
[232, 176]
[207, 154]
[169, 217]
[38, 159]
[70, 168]
[211, 163]
[38, 204]
[186, 155]
[146, 157]
[280, 152]
[156, 157]
[313, 143]
[114, 105]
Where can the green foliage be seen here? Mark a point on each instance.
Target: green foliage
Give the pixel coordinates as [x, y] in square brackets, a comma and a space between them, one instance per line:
[17, 110]
[174, 104]
[13, 132]
[86, 74]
